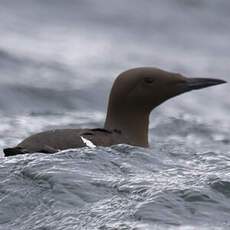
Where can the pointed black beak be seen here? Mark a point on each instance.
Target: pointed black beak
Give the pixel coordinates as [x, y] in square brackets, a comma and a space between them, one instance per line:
[199, 83]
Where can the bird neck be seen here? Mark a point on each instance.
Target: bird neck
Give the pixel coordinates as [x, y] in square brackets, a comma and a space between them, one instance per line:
[132, 124]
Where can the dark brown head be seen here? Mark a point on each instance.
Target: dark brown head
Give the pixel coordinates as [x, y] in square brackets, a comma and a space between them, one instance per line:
[136, 92]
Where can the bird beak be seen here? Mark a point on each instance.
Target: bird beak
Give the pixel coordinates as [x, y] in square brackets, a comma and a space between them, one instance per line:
[199, 83]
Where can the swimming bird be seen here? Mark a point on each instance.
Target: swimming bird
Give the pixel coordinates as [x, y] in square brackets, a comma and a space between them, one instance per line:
[134, 94]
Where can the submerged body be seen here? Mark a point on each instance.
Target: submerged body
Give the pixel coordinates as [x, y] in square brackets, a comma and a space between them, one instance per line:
[52, 141]
[135, 93]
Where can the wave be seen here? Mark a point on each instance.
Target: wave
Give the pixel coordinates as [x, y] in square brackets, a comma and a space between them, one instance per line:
[118, 186]
[7, 59]
[27, 99]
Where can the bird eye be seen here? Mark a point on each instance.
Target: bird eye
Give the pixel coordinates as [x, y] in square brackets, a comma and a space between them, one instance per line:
[149, 80]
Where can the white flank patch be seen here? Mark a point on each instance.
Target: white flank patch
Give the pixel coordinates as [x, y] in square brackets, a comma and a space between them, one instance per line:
[88, 142]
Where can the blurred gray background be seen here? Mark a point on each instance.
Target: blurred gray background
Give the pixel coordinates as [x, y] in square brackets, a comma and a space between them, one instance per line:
[58, 59]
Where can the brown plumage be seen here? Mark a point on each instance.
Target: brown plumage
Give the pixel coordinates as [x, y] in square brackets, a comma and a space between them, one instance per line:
[135, 93]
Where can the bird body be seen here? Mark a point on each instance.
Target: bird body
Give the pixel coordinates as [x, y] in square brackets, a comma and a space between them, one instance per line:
[135, 93]
[52, 141]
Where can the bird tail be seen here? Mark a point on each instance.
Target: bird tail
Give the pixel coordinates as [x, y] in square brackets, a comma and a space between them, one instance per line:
[14, 151]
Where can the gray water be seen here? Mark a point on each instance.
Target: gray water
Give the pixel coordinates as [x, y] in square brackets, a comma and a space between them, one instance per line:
[58, 60]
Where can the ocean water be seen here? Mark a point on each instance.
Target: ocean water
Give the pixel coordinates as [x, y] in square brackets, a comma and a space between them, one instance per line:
[58, 60]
